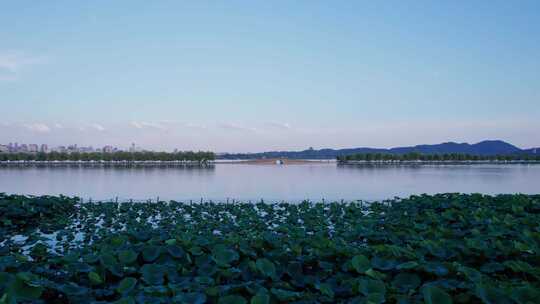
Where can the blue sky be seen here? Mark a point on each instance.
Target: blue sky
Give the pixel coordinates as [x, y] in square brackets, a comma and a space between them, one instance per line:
[261, 75]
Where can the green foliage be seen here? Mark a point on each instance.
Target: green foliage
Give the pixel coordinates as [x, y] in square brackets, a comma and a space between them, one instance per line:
[266, 267]
[452, 157]
[232, 299]
[200, 156]
[360, 263]
[190, 298]
[446, 248]
[20, 213]
[223, 256]
[404, 282]
[94, 278]
[260, 298]
[435, 295]
[127, 257]
[126, 285]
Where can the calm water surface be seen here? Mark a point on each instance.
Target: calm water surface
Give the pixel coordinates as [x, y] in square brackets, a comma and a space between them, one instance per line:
[270, 182]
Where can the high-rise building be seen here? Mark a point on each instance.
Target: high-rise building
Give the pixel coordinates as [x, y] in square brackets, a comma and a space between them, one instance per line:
[33, 148]
[72, 148]
[107, 149]
[44, 148]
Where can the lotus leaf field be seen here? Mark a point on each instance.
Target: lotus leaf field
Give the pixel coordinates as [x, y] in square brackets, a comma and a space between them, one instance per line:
[446, 248]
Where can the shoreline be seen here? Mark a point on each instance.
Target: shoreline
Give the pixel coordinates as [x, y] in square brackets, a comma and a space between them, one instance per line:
[106, 163]
[272, 161]
[439, 162]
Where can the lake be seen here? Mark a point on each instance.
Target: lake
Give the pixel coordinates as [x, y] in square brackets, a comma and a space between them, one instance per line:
[313, 181]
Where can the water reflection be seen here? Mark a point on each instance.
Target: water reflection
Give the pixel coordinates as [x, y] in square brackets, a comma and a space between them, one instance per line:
[269, 182]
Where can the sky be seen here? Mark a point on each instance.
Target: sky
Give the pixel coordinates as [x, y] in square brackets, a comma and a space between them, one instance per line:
[248, 76]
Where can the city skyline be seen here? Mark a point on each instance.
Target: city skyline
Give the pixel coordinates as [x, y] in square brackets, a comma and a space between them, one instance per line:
[250, 77]
[16, 147]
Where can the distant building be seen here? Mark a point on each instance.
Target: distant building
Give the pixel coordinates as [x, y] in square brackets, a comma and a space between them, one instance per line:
[89, 149]
[72, 148]
[22, 148]
[44, 148]
[108, 149]
[33, 148]
[4, 149]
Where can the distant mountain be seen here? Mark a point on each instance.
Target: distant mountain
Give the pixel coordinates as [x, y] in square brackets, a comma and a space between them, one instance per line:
[533, 151]
[487, 147]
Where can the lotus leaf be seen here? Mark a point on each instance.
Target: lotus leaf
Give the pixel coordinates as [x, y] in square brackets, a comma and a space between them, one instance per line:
[190, 298]
[232, 299]
[152, 274]
[360, 263]
[223, 256]
[406, 281]
[369, 286]
[435, 295]
[407, 265]
[94, 278]
[24, 287]
[126, 285]
[127, 256]
[176, 251]
[260, 298]
[151, 253]
[326, 289]
[285, 295]
[266, 267]
[463, 248]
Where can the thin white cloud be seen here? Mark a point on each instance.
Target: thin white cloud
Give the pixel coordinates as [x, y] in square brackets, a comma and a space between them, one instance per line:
[148, 125]
[11, 63]
[37, 127]
[58, 126]
[165, 125]
[233, 126]
[189, 125]
[136, 125]
[97, 127]
[168, 122]
[195, 126]
[279, 125]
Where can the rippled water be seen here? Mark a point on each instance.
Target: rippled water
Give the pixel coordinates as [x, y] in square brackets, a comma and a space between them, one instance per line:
[270, 182]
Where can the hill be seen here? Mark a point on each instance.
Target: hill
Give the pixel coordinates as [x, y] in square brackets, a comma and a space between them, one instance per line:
[485, 148]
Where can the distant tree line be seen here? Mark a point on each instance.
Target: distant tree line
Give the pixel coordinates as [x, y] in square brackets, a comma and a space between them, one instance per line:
[435, 157]
[115, 156]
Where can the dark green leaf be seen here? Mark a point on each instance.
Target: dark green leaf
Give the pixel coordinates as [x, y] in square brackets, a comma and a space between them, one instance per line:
[126, 285]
